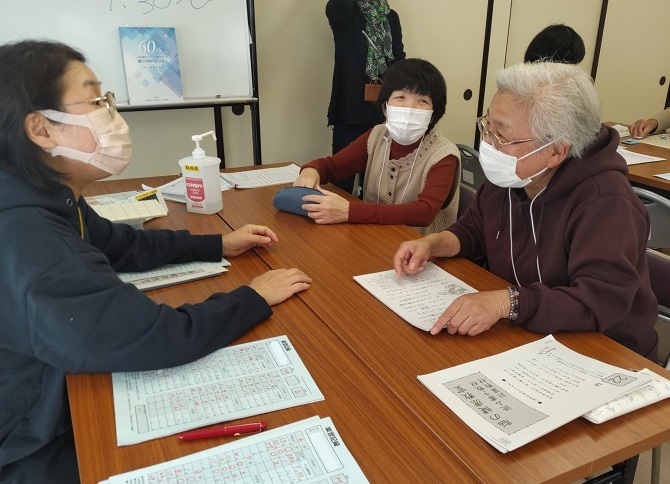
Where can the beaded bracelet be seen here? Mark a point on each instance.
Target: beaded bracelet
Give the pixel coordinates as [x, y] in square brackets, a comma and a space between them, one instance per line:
[513, 303]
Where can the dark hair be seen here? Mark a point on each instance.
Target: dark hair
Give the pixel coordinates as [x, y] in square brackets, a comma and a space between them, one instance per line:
[31, 79]
[556, 43]
[420, 77]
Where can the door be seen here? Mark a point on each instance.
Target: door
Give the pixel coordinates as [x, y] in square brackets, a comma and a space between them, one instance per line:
[634, 67]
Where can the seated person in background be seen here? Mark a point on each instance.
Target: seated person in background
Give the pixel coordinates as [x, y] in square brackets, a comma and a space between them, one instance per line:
[412, 172]
[556, 218]
[643, 127]
[64, 308]
[556, 43]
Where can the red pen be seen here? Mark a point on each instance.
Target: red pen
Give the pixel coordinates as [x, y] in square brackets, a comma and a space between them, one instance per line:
[224, 431]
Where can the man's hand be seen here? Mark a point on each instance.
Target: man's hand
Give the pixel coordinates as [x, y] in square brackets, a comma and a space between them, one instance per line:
[329, 208]
[412, 256]
[247, 237]
[473, 313]
[278, 285]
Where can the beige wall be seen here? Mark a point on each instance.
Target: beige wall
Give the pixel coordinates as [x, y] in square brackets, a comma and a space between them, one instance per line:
[295, 63]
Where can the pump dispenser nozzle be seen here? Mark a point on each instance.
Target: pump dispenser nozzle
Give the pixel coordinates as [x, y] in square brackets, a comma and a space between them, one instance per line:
[199, 152]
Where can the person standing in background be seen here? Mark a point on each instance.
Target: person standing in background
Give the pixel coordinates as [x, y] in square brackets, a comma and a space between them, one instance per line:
[368, 38]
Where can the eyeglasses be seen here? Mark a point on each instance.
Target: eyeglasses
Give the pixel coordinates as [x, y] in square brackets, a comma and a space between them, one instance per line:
[108, 99]
[496, 141]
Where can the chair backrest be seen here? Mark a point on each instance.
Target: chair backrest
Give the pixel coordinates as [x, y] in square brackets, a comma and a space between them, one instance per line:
[471, 171]
[659, 276]
[466, 197]
[658, 208]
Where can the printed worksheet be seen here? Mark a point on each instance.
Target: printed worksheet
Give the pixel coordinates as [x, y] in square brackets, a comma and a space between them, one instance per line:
[263, 177]
[633, 158]
[231, 383]
[309, 451]
[170, 274]
[661, 139]
[515, 397]
[419, 299]
[176, 189]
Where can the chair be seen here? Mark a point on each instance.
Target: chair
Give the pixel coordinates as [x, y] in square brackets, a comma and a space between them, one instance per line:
[466, 196]
[659, 276]
[658, 208]
[471, 171]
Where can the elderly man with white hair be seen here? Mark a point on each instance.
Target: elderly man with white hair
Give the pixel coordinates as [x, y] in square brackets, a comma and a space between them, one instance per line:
[556, 218]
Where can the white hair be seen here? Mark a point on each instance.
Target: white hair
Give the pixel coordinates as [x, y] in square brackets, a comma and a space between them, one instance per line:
[561, 99]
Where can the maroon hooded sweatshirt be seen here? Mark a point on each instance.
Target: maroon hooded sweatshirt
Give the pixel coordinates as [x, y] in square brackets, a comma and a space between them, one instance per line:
[591, 231]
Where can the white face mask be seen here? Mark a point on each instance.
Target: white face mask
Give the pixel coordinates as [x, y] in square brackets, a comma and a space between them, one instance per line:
[407, 125]
[500, 168]
[113, 147]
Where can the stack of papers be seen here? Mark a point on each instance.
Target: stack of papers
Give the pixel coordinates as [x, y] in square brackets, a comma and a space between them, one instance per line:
[308, 451]
[132, 208]
[231, 383]
[265, 177]
[132, 213]
[171, 274]
[515, 397]
[176, 189]
[656, 390]
[418, 299]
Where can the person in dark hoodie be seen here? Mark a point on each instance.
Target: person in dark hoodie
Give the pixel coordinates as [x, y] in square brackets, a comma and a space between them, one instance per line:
[64, 309]
[556, 218]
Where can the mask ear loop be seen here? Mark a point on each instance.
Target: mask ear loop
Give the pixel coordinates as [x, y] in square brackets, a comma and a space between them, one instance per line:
[532, 225]
[511, 245]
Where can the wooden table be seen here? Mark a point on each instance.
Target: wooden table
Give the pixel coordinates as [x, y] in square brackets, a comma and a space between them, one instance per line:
[643, 173]
[373, 423]
[366, 359]
[398, 352]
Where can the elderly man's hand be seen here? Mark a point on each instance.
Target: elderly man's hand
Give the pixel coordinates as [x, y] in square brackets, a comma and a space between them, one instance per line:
[474, 313]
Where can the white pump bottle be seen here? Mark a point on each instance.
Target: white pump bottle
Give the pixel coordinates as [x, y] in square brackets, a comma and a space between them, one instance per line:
[201, 177]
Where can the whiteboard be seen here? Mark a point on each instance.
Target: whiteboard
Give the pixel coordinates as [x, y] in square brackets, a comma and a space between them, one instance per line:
[212, 38]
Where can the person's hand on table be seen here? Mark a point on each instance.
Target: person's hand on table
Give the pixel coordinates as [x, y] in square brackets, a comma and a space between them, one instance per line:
[308, 178]
[412, 256]
[247, 237]
[642, 127]
[474, 313]
[280, 284]
[329, 208]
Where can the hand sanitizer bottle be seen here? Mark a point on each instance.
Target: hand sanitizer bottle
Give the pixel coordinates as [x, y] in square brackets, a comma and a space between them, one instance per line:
[201, 177]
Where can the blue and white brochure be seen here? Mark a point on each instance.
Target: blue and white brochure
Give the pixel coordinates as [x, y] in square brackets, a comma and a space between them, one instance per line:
[151, 62]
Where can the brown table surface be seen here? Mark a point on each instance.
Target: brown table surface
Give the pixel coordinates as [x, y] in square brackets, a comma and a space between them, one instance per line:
[387, 354]
[374, 425]
[398, 352]
[643, 173]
